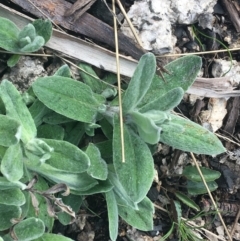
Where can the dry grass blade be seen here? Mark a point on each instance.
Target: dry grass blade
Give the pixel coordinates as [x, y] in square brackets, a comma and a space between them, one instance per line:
[119, 82]
[211, 197]
[129, 23]
[197, 53]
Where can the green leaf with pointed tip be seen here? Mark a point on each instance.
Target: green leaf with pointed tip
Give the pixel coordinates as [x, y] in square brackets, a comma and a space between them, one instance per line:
[13, 197]
[75, 100]
[29, 229]
[140, 82]
[43, 28]
[13, 60]
[74, 202]
[75, 181]
[146, 127]
[112, 214]
[176, 211]
[182, 73]
[186, 200]
[8, 35]
[196, 188]
[142, 218]
[12, 163]
[7, 213]
[10, 131]
[54, 118]
[101, 187]
[137, 158]
[98, 167]
[120, 192]
[63, 71]
[53, 237]
[67, 157]
[94, 83]
[50, 132]
[191, 173]
[165, 102]
[16, 109]
[192, 137]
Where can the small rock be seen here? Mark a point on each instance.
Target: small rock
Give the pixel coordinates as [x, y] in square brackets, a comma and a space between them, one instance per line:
[153, 20]
[23, 74]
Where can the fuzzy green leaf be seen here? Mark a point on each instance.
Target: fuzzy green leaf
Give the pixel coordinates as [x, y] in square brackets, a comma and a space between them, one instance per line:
[67, 157]
[27, 31]
[53, 237]
[8, 212]
[50, 132]
[74, 202]
[75, 100]
[190, 137]
[8, 35]
[29, 229]
[182, 73]
[196, 188]
[43, 28]
[176, 211]
[140, 82]
[186, 200]
[75, 181]
[74, 132]
[12, 196]
[112, 214]
[146, 127]
[35, 45]
[13, 60]
[120, 192]
[137, 158]
[191, 173]
[6, 184]
[165, 102]
[38, 110]
[98, 167]
[10, 131]
[101, 187]
[16, 109]
[94, 83]
[63, 71]
[54, 118]
[12, 163]
[142, 218]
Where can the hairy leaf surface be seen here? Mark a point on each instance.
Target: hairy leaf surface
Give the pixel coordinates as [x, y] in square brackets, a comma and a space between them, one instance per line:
[136, 174]
[142, 218]
[68, 97]
[190, 137]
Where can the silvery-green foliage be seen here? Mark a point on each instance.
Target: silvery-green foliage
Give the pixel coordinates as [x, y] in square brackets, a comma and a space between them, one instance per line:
[39, 148]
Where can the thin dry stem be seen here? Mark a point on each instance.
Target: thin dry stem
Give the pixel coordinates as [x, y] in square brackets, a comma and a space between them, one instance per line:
[197, 53]
[227, 139]
[235, 222]
[211, 197]
[119, 83]
[129, 23]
